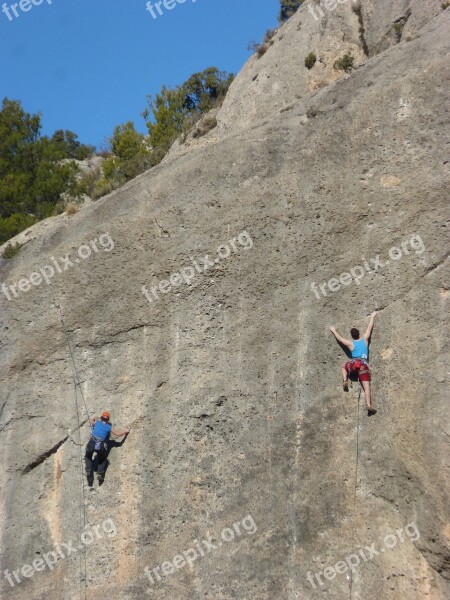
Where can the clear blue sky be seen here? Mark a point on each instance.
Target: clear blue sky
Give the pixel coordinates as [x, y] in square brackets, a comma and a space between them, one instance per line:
[88, 65]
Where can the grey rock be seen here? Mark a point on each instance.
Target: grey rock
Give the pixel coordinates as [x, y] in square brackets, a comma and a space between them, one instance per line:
[353, 167]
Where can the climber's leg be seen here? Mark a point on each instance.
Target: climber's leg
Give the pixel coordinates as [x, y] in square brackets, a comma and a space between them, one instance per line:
[88, 461]
[366, 387]
[102, 461]
[345, 377]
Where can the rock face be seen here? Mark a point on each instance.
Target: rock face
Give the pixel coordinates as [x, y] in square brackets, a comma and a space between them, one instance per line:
[245, 457]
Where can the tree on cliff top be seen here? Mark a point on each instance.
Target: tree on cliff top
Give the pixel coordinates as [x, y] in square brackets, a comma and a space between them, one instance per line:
[171, 113]
[288, 8]
[130, 157]
[32, 177]
[173, 110]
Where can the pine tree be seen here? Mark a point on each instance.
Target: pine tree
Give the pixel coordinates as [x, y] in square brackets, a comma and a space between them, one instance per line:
[288, 8]
[32, 176]
[174, 111]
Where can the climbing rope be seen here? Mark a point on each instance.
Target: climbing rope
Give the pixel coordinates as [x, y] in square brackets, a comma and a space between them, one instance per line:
[76, 386]
[82, 498]
[356, 482]
[74, 367]
[357, 451]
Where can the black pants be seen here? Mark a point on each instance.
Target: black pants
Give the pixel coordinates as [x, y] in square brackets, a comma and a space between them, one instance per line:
[101, 455]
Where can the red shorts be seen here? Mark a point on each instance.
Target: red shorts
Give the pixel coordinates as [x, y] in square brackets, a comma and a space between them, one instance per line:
[363, 372]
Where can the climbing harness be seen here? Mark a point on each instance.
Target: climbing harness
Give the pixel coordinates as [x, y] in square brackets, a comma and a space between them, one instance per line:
[360, 366]
[99, 444]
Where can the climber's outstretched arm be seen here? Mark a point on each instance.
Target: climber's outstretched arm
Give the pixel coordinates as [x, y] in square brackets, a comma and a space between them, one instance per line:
[368, 333]
[339, 338]
[120, 433]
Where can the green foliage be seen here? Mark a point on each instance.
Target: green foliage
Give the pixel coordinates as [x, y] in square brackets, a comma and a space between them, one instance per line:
[38, 175]
[130, 157]
[86, 184]
[168, 114]
[174, 111]
[18, 137]
[398, 30]
[33, 169]
[345, 63]
[11, 226]
[104, 186]
[202, 91]
[288, 9]
[126, 142]
[19, 131]
[11, 250]
[65, 144]
[51, 180]
[310, 60]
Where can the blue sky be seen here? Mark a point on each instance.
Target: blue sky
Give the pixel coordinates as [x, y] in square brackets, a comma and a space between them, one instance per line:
[88, 65]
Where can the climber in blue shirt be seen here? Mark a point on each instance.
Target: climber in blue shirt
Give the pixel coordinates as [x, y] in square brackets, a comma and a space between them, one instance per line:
[359, 347]
[101, 431]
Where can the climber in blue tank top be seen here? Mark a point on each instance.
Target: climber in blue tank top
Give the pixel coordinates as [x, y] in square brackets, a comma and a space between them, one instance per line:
[101, 431]
[359, 347]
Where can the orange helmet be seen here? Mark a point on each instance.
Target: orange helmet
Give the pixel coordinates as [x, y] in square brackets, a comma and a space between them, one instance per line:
[106, 414]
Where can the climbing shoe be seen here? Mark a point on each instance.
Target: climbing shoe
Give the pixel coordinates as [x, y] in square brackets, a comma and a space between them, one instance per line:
[100, 478]
[345, 386]
[371, 411]
[90, 480]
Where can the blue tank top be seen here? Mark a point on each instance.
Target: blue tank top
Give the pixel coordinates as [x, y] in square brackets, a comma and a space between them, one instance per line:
[360, 349]
[102, 430]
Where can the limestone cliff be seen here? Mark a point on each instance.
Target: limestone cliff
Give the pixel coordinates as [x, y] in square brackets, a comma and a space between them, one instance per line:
[230, 377]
